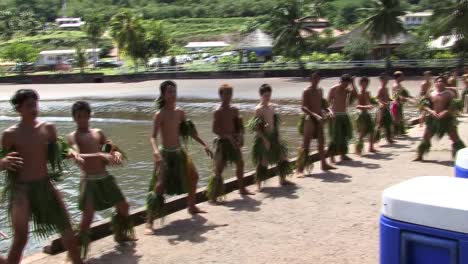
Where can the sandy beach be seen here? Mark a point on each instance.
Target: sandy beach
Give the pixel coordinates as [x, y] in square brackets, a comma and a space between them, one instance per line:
[325, 218]
[284, 88]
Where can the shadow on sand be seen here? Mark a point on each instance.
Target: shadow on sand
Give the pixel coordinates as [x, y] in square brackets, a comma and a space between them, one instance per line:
[191, 230]
[287, 191]
[121, 254]
[244, 204]
[378, 156]
[359, 164]
[447, 163]
[330, 176]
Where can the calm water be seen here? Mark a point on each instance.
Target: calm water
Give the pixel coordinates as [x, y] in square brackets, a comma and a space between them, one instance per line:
[128, 123]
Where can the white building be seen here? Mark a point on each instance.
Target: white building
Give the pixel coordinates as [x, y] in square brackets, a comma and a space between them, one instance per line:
[416, 19]
[200, 46]
[443, 42]
[54, 57]
[69, 22]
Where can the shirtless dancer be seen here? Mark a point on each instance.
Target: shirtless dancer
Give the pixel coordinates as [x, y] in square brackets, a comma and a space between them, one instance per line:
[341, 129]
[400, 96]
[229, 129]
[384, 117]
[426, 86]
[441, 119]
[11, 162]
[268, 147]
[175, 172]
[98, 189]
[35, 196]
[464, 93]
[365, 122]
[315, 109]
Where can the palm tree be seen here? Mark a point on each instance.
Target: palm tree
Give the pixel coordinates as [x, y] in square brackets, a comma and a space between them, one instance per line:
[287, 24]
[94, 29]
[384, 22]
[452, 19]
[80, 57]
[129, 34]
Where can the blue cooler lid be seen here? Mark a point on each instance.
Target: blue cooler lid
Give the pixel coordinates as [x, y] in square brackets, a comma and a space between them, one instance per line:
[461, 163]
[433, 201]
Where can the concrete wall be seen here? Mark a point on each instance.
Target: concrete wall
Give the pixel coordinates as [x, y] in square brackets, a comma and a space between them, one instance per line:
[98, 77]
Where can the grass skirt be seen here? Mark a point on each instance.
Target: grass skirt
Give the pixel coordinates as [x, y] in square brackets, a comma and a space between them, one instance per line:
[176, 167]
[226, 151]
[103, 193]
[440, 127]
[341, 131]
[48, 215]
[365, 124]
[385, 122]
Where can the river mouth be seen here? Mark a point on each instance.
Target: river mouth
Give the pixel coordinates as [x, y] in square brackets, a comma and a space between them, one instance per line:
[128, 124]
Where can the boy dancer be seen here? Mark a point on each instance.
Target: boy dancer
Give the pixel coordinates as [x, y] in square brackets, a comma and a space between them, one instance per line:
[229, 129]
[268, 148]
[175, 172]
[365, 122]
[29, 190]
[426, 86]
[442, 119]
[11, 162]
[400, 95]
[384, 118]
[311, 124]
[465, 91]
[98, 189]
[341, 130]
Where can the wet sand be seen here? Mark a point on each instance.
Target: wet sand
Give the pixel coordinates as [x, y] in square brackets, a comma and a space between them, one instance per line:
[326, 218]
[284, 88]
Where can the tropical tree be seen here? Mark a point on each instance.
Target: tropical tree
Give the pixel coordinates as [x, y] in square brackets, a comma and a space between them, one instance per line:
[128, 32]
[452, 20]
[157, 39]
[288, 24]
[80, 57]
[384, 22]
[20, 53]
[94, 28]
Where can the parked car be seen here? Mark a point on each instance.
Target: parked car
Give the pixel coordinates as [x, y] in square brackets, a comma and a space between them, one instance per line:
[108, 64]
[22, 67]
[212, 59]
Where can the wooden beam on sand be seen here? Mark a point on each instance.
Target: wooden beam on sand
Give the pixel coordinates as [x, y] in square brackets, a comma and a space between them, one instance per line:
[102, 228]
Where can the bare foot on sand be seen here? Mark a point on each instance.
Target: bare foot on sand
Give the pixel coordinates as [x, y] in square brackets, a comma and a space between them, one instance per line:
[345, 158]
[195, 210]
[149, 230]
[299, 175]
[244, 191]
[373, 150]
[418, 159]
[284, 182]
[326, 167]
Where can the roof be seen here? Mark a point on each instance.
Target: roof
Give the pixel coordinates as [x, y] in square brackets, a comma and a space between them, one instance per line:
[67, 19]
[358, 32]
[207, 44]
[321, 31]
[256, 39]
[443, 42]
[71, 25]
[64, 52]
[419, 14]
